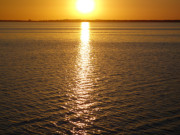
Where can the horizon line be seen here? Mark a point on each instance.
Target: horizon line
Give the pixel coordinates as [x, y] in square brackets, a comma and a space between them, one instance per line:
[91, 20]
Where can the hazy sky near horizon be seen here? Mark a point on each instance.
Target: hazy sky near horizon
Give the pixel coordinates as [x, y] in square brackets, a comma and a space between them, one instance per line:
[104, 9]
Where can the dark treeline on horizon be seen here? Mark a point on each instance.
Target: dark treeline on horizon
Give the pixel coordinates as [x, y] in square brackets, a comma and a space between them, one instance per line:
[82, 20]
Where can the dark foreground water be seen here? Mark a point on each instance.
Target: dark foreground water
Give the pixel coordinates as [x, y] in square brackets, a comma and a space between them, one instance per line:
[90, 78]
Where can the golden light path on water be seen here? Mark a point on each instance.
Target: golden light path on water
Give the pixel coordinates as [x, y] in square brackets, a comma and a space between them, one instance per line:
[84, 50]
[83, 116]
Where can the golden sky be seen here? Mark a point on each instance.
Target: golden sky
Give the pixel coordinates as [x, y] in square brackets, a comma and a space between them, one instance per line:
[104, 9]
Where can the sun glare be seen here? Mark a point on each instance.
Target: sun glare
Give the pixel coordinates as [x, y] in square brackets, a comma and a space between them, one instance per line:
[85, 6]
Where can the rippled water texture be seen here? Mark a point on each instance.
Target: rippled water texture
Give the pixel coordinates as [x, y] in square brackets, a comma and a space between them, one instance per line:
[89, 78]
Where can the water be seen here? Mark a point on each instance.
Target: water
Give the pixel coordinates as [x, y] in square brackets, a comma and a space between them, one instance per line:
[89, 78]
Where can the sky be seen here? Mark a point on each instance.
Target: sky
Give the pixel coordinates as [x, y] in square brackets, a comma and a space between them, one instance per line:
[104, 9]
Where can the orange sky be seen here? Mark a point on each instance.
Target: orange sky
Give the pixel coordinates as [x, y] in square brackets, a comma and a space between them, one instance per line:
[104, 9]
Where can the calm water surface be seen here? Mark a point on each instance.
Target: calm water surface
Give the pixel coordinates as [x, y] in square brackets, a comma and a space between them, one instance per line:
[89, 78]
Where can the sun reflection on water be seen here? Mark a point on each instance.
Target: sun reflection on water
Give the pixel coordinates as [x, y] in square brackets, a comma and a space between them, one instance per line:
[84, 51]
[81, 99]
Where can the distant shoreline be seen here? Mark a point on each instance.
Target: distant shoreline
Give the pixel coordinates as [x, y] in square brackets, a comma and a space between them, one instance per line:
[79, 20]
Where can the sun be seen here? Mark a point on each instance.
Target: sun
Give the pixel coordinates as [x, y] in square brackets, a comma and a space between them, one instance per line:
[85, 6]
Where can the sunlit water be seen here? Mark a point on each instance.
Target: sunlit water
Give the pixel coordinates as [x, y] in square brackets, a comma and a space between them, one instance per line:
[89, 78]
